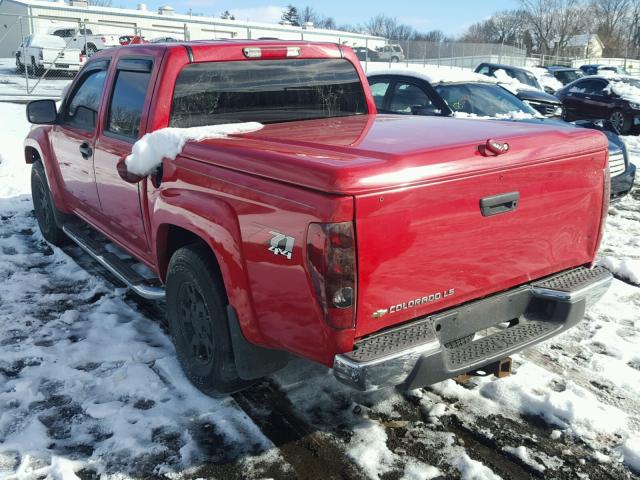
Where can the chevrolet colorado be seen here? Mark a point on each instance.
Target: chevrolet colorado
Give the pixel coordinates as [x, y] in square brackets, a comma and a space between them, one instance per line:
[401, 251]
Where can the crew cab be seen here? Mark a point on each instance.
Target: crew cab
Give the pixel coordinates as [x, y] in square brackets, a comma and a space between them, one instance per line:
[399, 250]
[86, 40]
[39, 53]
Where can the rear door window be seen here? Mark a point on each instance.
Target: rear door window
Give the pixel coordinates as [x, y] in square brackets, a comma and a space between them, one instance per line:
[127, 99]
[266, 91]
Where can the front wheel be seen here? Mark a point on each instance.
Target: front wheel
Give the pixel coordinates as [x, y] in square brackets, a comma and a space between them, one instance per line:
[395, 59]
[197, 318]
[44, 207]
[620, 121]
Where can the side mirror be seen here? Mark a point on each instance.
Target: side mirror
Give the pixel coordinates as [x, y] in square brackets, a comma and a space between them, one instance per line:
[42, 112]
[125, 174]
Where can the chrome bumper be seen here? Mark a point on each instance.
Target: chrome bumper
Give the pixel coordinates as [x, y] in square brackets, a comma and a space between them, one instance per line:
[416, 355]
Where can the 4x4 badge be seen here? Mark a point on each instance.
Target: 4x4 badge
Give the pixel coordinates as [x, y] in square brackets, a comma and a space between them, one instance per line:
[281, 244]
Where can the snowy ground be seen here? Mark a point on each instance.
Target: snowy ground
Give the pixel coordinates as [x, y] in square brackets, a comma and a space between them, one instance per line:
[90, 386]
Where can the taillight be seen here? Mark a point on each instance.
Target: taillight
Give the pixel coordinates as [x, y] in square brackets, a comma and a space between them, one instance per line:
[104, 39]
[331, 256]
[271, 52]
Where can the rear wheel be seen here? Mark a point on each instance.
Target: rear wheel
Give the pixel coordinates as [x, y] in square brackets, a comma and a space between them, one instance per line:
[44, 207]
[197, 318]
[620, 121]
[395, 59]
[91, 49]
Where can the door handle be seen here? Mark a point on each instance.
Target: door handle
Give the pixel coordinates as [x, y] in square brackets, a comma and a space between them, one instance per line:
[505, 202]
[85, 150]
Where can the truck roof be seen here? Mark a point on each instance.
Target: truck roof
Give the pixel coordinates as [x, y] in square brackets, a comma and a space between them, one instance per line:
[205, 50]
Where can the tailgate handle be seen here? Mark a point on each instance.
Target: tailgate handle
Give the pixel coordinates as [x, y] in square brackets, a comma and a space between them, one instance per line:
[505, 202]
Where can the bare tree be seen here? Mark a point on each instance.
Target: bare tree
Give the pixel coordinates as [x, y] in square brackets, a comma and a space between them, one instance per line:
[554, 22]
[389, 27]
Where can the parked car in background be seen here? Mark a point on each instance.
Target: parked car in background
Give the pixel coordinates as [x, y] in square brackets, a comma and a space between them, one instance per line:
[522, 75]
[406, 92]
[85, 39]
[164, 40]
[600, 69]
[616, 98]
[366, 54]
[565, 75]
[132, 40]
[40, 53]
[390, 53]
[525, 86]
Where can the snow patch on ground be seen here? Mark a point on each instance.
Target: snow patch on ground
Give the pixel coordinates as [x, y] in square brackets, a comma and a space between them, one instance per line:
[522, 453]
[149, 151]
[627, 269]
[631, 453]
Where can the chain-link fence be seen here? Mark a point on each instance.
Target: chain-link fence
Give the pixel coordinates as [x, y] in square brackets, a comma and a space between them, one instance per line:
[39, 57]
[452, 54]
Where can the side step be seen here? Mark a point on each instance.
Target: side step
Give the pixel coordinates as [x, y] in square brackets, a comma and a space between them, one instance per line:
[96, 245]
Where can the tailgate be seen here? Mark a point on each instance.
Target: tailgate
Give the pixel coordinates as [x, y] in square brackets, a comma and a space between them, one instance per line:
[428, 247]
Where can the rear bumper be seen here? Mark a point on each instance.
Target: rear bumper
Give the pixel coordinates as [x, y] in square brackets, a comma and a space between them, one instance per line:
[622, 184]
[435, 348]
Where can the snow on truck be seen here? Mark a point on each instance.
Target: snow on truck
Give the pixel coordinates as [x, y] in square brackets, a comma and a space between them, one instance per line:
[253, 185]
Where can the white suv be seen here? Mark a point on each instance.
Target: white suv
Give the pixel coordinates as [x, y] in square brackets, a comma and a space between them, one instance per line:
[390, 53]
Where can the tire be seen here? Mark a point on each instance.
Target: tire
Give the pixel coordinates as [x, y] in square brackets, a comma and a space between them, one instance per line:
[197, 319]
[621, 122]
[395, 59]
[35, 70]
[19, 65]
[91, 49]
[44, 207]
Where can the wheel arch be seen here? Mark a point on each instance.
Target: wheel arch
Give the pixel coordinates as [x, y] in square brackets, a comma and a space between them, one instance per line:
[217, 228]
[37, 148]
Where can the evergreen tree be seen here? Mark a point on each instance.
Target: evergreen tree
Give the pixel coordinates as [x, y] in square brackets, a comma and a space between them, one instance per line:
[290, 16]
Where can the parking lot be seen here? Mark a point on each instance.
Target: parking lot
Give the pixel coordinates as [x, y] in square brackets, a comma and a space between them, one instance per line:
[90, 384]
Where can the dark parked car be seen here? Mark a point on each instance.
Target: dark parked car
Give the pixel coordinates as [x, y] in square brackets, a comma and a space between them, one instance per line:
[366, 54]
[597, 69]
[603, 97]
[542, 101]
[565, 75]
[410, 93]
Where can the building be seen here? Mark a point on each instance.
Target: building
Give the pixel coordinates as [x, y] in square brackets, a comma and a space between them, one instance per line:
[19, 18]
[587, 45]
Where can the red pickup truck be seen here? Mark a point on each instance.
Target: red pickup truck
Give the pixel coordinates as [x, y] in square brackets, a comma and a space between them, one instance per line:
[399, 250]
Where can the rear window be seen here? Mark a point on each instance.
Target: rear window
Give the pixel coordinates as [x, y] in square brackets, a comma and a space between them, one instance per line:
[266, 91]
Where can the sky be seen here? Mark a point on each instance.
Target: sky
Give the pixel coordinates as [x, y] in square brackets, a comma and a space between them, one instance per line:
[452, 17]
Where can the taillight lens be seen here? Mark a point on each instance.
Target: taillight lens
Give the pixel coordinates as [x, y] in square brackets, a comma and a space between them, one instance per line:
[331, 255]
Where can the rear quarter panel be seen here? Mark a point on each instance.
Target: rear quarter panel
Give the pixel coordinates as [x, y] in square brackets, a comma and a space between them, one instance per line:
[235, 213]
